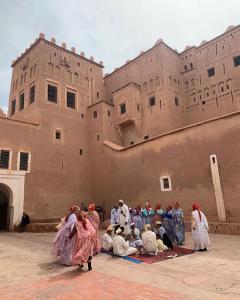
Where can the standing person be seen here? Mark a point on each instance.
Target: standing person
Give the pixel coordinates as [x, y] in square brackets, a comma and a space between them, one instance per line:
[63, 247]
[137, 217]
[168, 223]
[158, 214]
[115, 215]
[148, 213]
[83, 207]
[107, 241]
[94, 219]
[120, 246]
[177, 215]
[123, 215]
[25, 221]
[199, 229]
[149, 240]
[85, 236]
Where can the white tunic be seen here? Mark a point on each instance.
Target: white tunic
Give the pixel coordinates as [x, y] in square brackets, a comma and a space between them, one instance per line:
[123, 215]
[121, 247]
[149, 241]
[199, 230]
[107, 242]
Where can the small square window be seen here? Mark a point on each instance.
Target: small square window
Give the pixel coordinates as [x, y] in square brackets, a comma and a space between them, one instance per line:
[132, 143]
[4, 159]
[95, 113]
[58, 135]
[236, 60]
[52, 93]
[32, 94]
[122, 108]
[108, 113]
[165, 183]
[146, 137]
[71, 99]
[211, 72]
[152, 101]
[23, 161]
[21, 101]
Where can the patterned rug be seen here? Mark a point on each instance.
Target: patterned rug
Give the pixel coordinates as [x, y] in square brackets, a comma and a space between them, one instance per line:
[150, 259]
[170, 254]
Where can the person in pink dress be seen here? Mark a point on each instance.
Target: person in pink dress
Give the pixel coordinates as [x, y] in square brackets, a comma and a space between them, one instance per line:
[62, 245]
[84, 235]
[94, 219]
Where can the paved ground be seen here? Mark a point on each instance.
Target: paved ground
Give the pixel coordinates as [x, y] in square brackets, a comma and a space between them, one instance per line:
[28, 271]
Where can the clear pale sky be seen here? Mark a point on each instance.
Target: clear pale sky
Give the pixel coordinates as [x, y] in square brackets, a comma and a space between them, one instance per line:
[109, 30]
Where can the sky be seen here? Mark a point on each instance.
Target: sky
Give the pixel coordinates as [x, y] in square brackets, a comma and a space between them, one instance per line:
[110, 30]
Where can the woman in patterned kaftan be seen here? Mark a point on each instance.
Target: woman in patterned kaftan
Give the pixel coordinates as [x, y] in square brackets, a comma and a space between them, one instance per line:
[94, 219]
[62, 245]
[84, 235]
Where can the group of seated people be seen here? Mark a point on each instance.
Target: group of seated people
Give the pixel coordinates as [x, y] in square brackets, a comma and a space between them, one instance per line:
[128, 242]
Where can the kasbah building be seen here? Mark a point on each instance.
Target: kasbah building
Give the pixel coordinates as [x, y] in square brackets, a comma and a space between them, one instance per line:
[163, 127]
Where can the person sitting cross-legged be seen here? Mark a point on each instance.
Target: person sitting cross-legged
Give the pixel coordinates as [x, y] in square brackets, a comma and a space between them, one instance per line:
[134, 237]
[107, 241]
[120, 246]
[162, 236]
[149, 240]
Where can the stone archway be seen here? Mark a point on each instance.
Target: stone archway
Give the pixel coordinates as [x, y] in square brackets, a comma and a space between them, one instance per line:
[12, 186]
[5, 207]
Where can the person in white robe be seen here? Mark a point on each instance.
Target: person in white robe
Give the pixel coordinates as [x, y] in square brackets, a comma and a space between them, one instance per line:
[160, 232]
[120, 246]
[107, 241]
[199, 229]
[149, 240]
[115, 215]
[134, 237]
[124, 216]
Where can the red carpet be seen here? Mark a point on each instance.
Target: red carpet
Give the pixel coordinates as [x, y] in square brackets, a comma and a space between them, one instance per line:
[170, 254]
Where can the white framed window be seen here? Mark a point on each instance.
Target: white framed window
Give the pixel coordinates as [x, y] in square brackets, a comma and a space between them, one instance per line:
[5, 158]
[24, 161]
[58, 135]
[165, 183]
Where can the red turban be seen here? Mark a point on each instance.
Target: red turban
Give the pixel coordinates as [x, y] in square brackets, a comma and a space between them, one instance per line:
[195, 206]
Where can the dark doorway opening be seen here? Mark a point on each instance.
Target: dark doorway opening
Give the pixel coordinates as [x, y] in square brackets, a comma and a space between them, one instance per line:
[4, 210]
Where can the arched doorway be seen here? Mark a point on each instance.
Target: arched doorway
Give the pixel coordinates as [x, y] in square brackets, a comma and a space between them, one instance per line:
[4, 208]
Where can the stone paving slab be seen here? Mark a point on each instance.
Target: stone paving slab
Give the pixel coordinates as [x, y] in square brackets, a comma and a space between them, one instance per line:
[28, 270]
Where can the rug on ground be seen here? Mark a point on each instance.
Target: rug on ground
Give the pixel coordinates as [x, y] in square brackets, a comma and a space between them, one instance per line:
[161, 256]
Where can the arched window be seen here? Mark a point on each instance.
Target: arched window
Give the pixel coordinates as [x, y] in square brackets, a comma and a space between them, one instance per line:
[151, 85]
[145, 87]
[213, 89]
[221, 87]
[229, 84]
[157, 82]
[206, 93]
[199, 94]
[193, 97]
[75, 78]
